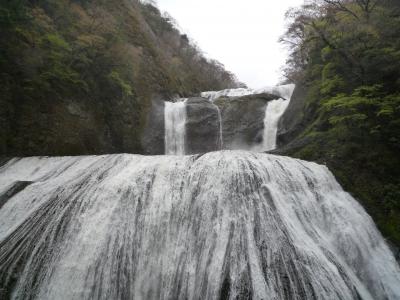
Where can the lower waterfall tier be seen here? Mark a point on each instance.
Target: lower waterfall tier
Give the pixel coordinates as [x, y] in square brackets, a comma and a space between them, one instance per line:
[224, 225]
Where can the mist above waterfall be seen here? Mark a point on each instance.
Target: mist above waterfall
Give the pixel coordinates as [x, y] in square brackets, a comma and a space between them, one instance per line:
[223, 225]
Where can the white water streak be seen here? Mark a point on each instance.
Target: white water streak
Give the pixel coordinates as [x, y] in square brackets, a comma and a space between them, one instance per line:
[273, 113]
[175, 127]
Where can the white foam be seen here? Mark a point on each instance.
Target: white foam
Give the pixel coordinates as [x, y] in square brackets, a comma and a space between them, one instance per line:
[189, 227]
[282, 91]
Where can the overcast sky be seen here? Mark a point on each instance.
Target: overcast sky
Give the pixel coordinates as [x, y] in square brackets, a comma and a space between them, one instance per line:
[243, 35]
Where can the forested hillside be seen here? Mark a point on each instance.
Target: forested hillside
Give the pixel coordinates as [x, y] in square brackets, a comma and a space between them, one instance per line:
[78, 77]
[345, 55]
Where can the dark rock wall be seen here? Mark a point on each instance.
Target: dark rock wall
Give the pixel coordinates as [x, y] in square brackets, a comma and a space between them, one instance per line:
[291, 122]
[202, 126]
[243, 120]
[154, 131]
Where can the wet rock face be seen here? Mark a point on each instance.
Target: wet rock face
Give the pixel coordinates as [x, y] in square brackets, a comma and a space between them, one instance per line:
[291, 122]
[243, 120]
[202, 126]
[153, 133]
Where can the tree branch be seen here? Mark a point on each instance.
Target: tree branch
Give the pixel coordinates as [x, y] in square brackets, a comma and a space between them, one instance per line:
[339, 5]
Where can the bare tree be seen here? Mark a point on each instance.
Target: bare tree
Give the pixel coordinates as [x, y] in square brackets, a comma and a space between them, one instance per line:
[341, 5]
[367, 6]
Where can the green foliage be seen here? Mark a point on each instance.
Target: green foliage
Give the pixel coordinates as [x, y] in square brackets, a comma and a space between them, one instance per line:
[348, 58]
[55, 42]
[12, 12]
[116, 79]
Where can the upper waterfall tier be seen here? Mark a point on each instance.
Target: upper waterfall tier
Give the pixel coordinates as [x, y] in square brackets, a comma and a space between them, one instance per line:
[224, 225]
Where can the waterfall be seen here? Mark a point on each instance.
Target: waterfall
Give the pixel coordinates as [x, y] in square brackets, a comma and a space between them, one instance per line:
[221, 138]
[273, 113]
[223, 225]
[175, 124]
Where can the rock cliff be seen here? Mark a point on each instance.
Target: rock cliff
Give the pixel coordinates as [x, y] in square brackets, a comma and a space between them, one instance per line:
[243, 120]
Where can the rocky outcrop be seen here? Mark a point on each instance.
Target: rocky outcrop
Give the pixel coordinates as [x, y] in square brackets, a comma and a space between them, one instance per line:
[291, 122]
[154, 130]
[243, 120]
[202, 126]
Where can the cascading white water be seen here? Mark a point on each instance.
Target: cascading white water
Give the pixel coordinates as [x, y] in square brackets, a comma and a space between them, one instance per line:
[175, 126]
[273, 113]
[223, 225]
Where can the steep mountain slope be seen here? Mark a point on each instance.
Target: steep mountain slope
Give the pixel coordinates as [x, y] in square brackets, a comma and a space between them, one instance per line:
[79, 77]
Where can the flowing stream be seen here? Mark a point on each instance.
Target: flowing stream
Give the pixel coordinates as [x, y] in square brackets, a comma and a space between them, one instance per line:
[223, 225]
